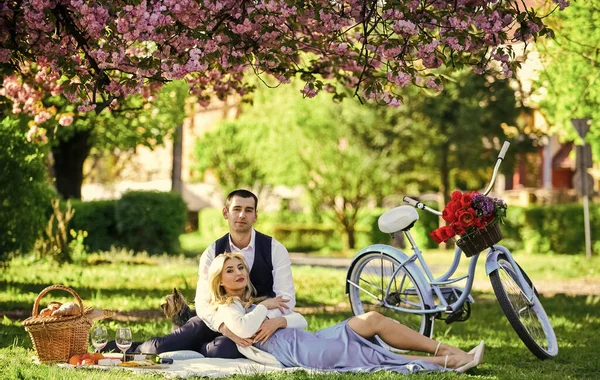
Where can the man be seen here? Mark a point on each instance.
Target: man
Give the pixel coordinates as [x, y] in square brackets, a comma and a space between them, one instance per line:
[270, 272]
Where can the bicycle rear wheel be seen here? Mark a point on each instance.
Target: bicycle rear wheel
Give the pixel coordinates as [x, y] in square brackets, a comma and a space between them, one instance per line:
[371, 276]
[528, 319]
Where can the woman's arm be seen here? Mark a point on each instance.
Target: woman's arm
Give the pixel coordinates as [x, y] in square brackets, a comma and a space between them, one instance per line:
[238, 321]
[295, 321]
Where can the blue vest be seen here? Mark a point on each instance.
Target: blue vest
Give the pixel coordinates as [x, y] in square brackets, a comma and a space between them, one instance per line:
[261, 274]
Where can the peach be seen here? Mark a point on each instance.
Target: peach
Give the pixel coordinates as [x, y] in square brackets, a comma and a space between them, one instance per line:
[74, 360]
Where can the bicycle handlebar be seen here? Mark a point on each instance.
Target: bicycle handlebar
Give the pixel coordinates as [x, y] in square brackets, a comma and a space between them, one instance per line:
[422, 206]
[503, 150]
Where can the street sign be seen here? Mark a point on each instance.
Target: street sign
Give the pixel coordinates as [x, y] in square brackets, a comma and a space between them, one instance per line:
[583, 157]
[582, 126]
[578, 183]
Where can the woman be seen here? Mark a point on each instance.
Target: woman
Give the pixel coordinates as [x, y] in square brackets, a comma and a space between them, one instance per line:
[343, 347]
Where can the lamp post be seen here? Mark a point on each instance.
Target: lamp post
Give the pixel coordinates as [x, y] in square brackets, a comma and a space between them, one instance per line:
[583, 126]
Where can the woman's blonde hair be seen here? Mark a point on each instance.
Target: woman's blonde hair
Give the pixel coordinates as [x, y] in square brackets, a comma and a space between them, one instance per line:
[217, 292]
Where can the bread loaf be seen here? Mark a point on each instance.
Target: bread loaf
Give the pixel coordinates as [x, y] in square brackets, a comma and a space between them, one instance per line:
[69, 308]
[51, 308]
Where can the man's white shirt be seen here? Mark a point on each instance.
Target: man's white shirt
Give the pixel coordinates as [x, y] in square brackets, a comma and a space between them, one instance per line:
[283, 283]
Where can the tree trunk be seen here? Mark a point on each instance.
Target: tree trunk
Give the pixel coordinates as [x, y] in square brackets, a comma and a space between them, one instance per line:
[176, 182]
[350, 234]
[69, 156]
[444, 174]
[445, 185]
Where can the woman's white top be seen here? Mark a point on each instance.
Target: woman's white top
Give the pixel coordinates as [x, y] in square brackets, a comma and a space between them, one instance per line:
[244, 323]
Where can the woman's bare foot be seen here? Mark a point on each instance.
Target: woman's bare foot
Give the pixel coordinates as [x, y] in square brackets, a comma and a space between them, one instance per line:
[445, 349]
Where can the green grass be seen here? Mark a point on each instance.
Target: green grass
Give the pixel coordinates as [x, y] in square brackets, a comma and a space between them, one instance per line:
[136, 290]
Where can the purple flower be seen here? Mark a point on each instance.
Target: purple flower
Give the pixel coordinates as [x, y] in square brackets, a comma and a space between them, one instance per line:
[485, 206]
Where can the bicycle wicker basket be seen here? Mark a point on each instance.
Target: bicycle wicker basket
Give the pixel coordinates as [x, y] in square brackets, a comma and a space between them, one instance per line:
[56, 339]
[476, 241]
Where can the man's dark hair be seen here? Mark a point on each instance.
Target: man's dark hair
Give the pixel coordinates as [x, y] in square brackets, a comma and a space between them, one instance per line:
[242, 194]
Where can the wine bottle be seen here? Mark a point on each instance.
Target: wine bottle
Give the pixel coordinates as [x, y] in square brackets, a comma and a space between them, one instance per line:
[150, 357]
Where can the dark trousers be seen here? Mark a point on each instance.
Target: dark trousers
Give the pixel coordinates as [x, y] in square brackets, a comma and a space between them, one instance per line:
[193, 335]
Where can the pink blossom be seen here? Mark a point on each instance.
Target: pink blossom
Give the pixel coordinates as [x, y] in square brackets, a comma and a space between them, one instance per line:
[86, 108]
[132, 47]
[405, 27]
[435, 84]
[309, 90]
[65, 121]
[562, 4]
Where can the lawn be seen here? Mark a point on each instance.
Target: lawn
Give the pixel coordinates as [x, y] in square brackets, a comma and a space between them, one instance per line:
[135, 285]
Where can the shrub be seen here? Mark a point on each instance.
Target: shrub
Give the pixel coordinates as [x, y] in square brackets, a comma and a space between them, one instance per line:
[151, 221]
[557, 229]
[98, 219]
[25, 193]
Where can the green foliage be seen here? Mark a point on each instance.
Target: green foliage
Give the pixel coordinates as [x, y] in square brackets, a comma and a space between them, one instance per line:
[549, 229]
[447, 141]
[25, 192]
[570, 79]
[98, 219]
[558, 229]
[151, 221]
[226, 152]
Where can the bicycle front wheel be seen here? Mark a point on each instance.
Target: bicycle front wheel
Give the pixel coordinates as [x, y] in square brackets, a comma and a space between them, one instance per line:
[370, 278]
[528, 319]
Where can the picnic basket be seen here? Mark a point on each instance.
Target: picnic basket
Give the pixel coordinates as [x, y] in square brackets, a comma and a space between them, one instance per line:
[56, 339]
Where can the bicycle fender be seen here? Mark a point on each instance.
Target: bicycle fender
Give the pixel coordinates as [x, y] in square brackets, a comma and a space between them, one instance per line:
[491, 261]
[402, 258]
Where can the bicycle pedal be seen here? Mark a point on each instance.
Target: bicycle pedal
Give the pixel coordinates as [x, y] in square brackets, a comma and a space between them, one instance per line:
[459, 315]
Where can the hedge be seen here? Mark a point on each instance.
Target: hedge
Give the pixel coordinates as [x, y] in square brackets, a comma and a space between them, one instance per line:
[151, 221]
[148, 221]
[558, 229]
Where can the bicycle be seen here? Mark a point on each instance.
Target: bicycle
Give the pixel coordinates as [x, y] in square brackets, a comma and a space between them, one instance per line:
[383, 278]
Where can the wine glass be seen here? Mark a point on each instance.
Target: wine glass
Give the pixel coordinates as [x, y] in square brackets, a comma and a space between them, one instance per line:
[123, 339]
[99, 337]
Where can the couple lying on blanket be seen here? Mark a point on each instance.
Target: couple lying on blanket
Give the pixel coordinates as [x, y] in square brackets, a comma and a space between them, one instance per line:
[344, 347]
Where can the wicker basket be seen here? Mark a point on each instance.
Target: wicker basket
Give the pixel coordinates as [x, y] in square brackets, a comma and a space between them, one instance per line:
[56, 339]
[476, 241]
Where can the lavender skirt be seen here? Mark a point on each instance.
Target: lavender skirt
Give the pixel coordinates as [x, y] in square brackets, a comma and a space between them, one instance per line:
[340, 349]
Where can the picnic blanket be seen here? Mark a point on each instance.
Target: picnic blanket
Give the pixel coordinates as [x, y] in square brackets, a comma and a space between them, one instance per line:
[202, 367]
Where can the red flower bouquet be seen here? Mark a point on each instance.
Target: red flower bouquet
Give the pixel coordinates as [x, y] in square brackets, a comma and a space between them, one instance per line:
[467, 213]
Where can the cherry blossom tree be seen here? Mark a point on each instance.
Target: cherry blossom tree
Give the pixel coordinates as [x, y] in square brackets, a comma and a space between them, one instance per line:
[106, 49]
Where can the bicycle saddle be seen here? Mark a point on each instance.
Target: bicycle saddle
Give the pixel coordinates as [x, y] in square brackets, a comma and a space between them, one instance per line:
[398, 219]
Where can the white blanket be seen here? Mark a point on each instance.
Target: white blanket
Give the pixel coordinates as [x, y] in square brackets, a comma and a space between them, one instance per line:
[205, 367]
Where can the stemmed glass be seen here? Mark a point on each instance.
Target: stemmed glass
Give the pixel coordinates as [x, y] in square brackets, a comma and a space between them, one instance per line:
[123, 339]
[99, 337]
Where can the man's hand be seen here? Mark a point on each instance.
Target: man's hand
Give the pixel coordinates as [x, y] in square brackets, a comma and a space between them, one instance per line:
[268, 327]
[243, 342]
